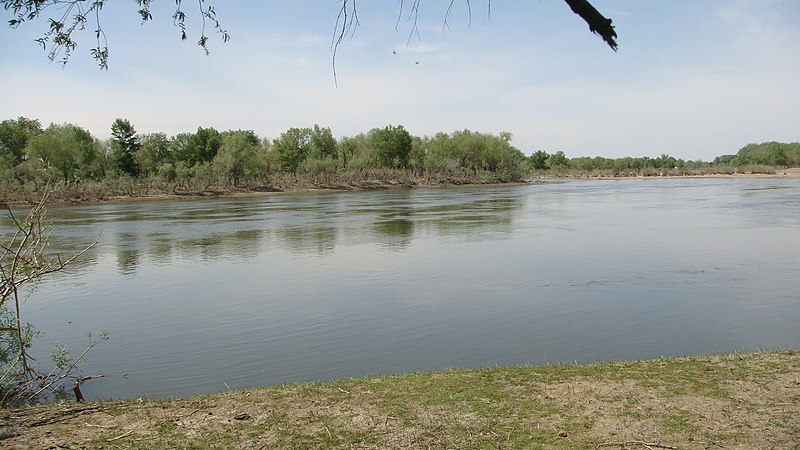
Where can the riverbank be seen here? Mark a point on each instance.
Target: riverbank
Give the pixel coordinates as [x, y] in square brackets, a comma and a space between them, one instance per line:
[129, 189]
[720, 172]
[122, 190]
[741, 400]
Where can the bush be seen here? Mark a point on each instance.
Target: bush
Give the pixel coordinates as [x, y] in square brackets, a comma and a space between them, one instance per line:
[317, 166]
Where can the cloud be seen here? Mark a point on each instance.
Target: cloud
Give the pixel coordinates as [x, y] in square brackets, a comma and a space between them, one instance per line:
[417, 49]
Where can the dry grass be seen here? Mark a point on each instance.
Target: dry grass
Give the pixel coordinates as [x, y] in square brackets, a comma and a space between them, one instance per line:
[728, 401]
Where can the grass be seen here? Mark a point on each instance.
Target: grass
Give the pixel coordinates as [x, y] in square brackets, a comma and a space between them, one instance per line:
[747, 400]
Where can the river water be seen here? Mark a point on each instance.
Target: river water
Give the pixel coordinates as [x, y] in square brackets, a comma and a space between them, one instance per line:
[204, 295]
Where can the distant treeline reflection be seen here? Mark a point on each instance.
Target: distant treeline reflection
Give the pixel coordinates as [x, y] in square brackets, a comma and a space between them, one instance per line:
[155, 233]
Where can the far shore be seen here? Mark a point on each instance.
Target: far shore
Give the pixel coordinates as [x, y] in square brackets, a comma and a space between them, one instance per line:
[731, 401]
[79, 195]
[792, 172]
[60, 198]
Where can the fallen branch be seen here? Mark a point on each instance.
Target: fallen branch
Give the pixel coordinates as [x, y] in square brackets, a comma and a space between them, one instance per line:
[187, 415]
[650, 445]
[76, 386]
[120, 436]
[99, 426]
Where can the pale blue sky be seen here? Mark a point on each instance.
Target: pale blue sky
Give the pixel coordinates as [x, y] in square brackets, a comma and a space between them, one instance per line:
[692, 78]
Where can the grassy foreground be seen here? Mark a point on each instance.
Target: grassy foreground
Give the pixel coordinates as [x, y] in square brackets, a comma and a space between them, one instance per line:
[748, 400]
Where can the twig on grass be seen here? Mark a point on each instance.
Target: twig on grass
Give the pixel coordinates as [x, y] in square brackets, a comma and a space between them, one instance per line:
[99, 426]
[187, 415]
[650, 445]
[120, 436]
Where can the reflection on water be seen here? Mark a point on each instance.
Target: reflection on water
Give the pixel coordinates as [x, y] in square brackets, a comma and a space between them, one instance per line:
[208, 230]
[397, 233]
[200, 294]
[308, 239]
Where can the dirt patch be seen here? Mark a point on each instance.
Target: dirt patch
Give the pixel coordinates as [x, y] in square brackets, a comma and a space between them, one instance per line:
[790, 172]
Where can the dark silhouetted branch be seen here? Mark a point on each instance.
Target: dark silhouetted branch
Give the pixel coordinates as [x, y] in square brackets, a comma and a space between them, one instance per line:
[598, 23]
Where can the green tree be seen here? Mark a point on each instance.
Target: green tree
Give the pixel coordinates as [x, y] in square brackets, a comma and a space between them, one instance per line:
[469, 150]
[250, 135]
[441, 155]
[416, 159]
[768, 153]
[154, 152]
[392, 145]
[196, 148]
[293, 147]
[178, 145]
[92, 160]
[322, 152]
[603, 163]
[538, 160]
[557, 161]
[323, 144]
[355, 152]
[778, 157]
[238, 156]
[14, 136]
[61, 148]
[497, 157]
[125, 145]
[724, 159]
[582, 164]
[348, 148]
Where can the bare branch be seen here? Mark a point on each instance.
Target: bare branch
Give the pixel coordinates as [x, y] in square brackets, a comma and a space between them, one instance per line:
[346, 23]
[446, 25]
[416, 15]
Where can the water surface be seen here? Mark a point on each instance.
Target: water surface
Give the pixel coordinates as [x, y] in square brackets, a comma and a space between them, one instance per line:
[204, 295]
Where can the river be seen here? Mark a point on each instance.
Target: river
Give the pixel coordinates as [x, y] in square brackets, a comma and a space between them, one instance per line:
[214, 294]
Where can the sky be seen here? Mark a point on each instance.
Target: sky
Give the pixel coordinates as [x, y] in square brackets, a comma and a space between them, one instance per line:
[692, 78]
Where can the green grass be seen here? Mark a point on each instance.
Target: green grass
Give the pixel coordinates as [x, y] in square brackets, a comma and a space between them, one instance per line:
[732, 401]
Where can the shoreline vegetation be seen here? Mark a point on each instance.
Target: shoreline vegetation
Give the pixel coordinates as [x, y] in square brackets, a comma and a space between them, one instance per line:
[738, 400]
[132, 189]
[754, 171]
[76, 167]
[125, 189]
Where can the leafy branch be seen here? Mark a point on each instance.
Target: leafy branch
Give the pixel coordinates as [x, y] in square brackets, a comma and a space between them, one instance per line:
[59, 40]
[23, 263]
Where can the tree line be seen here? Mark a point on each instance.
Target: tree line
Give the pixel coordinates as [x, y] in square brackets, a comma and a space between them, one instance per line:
[771, 154]
[68, 154]
[767, 153]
